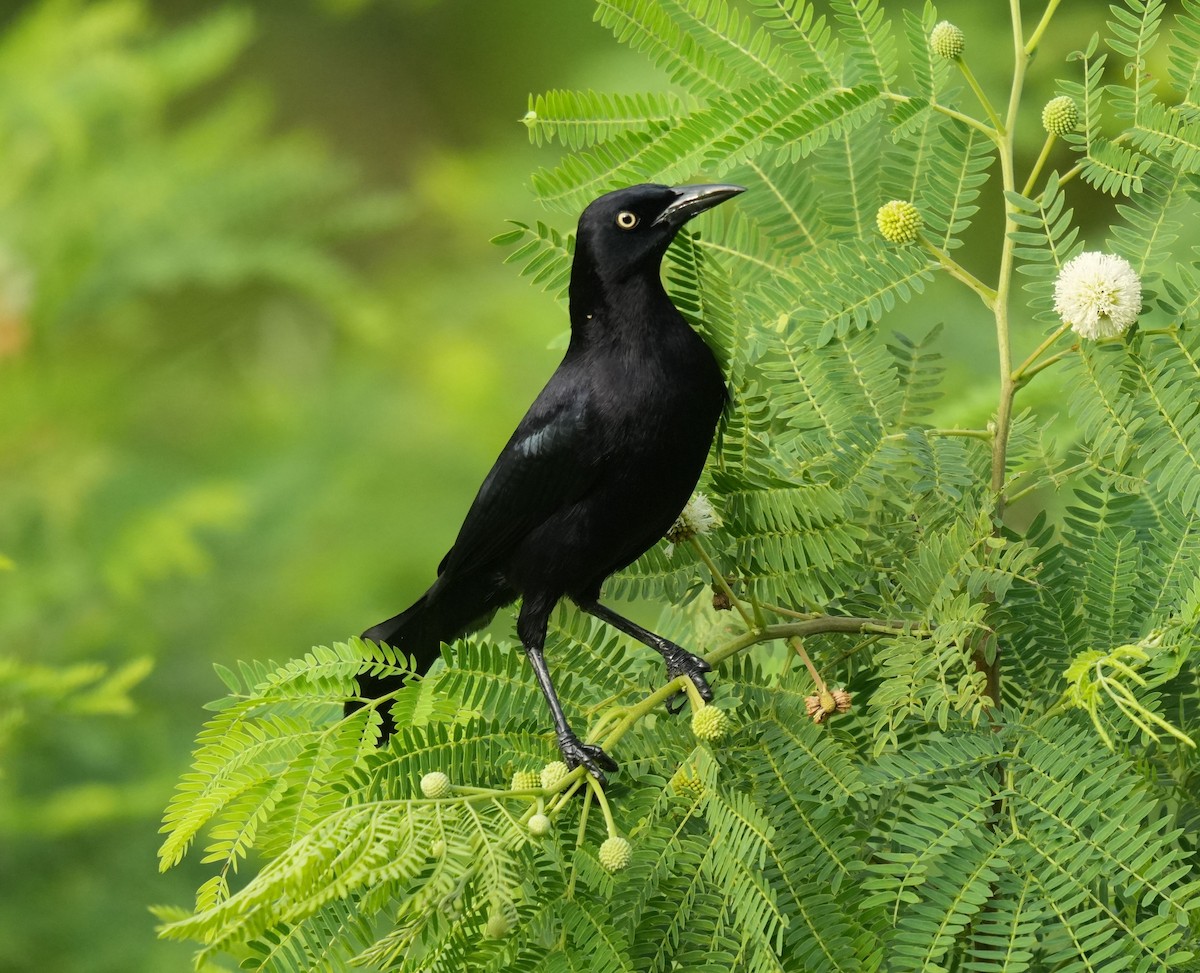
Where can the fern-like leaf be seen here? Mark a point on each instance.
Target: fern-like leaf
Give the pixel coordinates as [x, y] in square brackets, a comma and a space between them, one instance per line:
[579, 119]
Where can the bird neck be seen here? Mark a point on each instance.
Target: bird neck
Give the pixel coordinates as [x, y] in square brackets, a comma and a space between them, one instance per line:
[602, 307]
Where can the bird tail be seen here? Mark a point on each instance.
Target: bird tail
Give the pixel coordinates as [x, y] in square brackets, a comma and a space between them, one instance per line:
[414, 631]
[453, 607]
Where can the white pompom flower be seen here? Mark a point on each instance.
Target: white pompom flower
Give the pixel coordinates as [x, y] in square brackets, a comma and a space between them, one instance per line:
[1098, 294]
[697, 517]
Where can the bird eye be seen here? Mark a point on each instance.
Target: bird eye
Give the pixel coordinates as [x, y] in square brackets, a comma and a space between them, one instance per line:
[627, 220]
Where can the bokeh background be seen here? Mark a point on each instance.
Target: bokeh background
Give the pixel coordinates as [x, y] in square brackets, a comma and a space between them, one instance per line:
[256, 353]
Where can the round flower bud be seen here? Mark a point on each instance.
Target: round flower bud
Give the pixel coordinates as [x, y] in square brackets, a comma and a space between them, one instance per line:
[539, 825]
[1060, 115]
[437, 849]
[526, 780]
[530, 119]
[1098, 294]
[615, 853]
[688, 785]
[709, 723]
[946, 40]
[899, 221]
[553, 773]
[497, 925]
[436, 784]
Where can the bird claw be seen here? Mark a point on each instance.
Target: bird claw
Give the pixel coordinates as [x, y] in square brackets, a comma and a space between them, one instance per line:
[680, 662]
[592, 758]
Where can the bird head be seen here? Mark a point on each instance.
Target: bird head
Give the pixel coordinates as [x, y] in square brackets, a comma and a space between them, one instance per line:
[627, 231]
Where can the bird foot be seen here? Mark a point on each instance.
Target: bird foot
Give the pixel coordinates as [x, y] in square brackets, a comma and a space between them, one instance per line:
[680, 662]
[594, 760]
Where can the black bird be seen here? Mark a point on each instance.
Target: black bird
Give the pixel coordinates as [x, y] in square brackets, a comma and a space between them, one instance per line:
[601, 465]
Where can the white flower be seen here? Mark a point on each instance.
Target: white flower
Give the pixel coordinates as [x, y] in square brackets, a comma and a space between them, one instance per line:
[1098, 294]
[697, 517]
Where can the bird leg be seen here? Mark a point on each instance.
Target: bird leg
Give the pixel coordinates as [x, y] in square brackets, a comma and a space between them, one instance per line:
[531, 629]
[680, 662]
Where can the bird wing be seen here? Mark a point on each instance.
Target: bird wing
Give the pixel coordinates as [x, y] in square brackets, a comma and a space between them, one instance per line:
[544, 467]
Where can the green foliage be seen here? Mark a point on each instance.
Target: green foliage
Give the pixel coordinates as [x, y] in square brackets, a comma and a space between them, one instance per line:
[98, 188]
[176, 262]
[578, 119]
[965, 815]
[36, 693]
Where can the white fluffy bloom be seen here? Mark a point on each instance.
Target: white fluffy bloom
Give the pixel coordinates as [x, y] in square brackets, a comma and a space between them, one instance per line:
[697, 517]
[1098, 294]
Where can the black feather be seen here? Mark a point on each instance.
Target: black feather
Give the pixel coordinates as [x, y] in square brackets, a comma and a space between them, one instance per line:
[602, 463]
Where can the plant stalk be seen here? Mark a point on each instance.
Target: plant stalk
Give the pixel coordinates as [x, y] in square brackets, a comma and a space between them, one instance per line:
[1036, 37]
[1024, 368]
[1001, 131]
[1037, 166]
[958, 272]
[958, 116]
[720, 581]
[823, 624]
[987, 661]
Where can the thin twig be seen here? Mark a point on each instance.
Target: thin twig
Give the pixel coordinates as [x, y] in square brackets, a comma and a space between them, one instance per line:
[958, 116]
[983, 434]
[818, 682]
[958, 272]
[1037, 166]
[1024, 367]
[1052, 360]
[983, 98]
[721, 581]
[1036, 37]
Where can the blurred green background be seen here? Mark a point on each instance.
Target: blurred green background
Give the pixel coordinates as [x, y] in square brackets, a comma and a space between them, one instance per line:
[256, 354]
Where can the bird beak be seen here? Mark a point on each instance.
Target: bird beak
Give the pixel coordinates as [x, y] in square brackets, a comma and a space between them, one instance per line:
[692, 200]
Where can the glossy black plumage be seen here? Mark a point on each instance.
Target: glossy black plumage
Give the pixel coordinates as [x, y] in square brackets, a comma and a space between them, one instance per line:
[600, 466]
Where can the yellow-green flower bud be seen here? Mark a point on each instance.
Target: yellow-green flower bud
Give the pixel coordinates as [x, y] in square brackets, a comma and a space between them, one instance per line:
[526, 780]
[436, 784]
[1060, 115]
[899, 221]
[553, 773]
[615, 853]
[437, 849]
[539, 825]
[709, 723]
[688, 785]
[497, 925]
[946, 40]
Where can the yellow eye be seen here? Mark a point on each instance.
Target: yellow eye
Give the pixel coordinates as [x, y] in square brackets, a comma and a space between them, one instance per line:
[627, 220]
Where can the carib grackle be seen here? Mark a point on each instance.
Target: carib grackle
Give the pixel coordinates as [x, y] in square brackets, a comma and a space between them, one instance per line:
[601, 465]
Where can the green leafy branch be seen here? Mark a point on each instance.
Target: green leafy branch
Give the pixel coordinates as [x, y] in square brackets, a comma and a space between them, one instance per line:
[965, 815]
